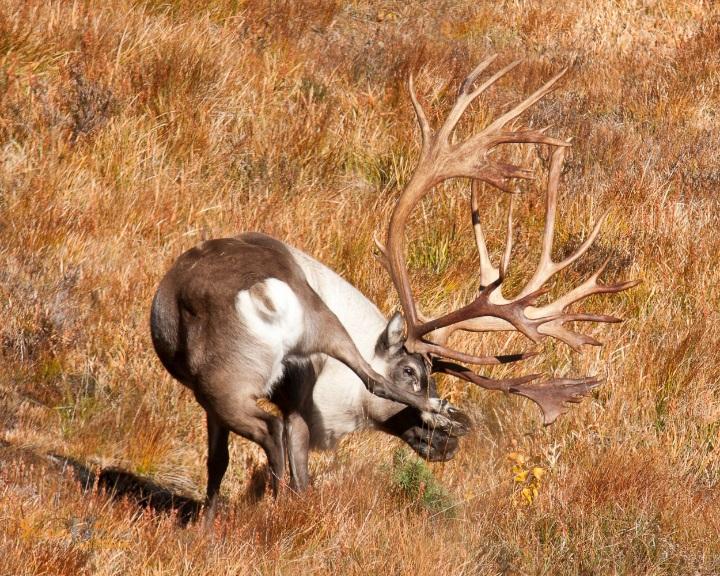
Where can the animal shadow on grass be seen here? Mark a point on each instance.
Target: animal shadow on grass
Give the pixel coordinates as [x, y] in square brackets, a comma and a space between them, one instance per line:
[118, 484]
[121, 485]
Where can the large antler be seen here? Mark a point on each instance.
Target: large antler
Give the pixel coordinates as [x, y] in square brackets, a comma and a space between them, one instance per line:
[440, 159]
[546, 269]
[553, 394]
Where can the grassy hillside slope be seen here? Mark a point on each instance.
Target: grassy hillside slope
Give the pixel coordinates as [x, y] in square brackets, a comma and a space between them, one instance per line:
[130, 131]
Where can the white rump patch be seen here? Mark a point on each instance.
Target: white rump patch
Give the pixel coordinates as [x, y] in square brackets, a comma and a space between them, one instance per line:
[272, 313]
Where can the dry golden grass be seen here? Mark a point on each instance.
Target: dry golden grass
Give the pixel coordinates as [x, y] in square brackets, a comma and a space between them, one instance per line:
[131, 130]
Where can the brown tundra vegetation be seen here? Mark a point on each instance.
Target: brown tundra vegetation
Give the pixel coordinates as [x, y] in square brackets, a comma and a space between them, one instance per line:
[130, 130]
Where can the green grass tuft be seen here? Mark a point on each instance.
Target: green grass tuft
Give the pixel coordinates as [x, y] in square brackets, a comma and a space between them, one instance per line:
[415, 481]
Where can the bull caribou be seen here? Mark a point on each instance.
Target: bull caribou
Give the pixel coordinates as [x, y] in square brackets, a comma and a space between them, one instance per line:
[251, 317]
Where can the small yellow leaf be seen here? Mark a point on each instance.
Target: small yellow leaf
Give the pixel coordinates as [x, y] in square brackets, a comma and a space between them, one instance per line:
[538, 472]
[527, 495]
[521, 477]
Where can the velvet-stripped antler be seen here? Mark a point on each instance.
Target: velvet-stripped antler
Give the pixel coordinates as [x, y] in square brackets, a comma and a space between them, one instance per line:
[440, 159]
[551, 395]
[545, 270]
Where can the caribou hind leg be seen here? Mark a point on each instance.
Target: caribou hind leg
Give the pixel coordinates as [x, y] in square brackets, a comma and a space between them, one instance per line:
[233, 408]
[217, 463]
[253, 423]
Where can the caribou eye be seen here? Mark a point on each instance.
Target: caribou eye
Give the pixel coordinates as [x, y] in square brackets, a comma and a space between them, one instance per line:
[408, 371]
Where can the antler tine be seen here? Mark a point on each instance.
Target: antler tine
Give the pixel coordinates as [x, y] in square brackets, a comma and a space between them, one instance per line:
[546, 267]
[592, 286]
[381, 254]
[459, 371]
[527, 103]
[557, 330]
[589, 241]
[511, 311]
[488, 272]
[479, 69]
[425, 129]
[465, 98]
[505, 262]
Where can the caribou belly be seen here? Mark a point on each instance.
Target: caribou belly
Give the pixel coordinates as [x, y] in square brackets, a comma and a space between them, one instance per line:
[337, 405]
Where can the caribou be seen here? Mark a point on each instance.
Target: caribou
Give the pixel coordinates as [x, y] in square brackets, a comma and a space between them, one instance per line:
[251, 317]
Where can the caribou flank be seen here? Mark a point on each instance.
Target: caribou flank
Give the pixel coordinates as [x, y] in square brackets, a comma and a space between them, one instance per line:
[250, 317]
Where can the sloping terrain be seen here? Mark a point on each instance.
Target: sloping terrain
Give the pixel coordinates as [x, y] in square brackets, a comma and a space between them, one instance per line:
[131, 130]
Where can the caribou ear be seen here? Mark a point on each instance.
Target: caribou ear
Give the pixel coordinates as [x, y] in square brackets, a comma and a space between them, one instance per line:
[393, 337]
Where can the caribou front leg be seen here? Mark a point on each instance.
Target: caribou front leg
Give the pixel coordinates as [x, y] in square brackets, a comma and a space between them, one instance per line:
[297, 444]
